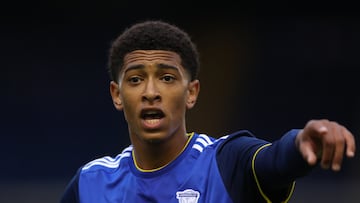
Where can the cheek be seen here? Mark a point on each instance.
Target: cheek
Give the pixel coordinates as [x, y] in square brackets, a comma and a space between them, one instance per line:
[129, 103]
[129, 113]
[178, 101]
[129, 96]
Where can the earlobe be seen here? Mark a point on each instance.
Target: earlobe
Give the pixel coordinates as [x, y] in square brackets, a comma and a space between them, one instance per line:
[194, 89]
[115, 95]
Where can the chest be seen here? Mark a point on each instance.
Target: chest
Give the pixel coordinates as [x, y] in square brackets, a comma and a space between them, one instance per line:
[195, 179]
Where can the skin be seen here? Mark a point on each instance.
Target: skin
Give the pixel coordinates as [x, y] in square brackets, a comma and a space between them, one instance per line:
[155, 81]
[326, 142]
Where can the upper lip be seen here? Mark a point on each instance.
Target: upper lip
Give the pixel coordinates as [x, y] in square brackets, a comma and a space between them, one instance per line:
[152, 111]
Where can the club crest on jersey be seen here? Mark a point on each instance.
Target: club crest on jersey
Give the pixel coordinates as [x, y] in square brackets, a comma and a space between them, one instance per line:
[188, 196]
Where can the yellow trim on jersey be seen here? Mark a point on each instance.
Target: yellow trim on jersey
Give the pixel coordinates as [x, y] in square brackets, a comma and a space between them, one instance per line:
[257, 180]
[190, 135]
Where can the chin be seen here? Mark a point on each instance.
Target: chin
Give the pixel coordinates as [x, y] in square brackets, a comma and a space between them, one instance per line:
[154, 141]
[154, 137]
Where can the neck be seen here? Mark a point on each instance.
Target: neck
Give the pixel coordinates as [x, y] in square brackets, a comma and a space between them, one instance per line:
[155, 155]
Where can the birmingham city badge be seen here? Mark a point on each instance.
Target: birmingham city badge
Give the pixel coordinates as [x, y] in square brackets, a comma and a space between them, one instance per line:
[188, 196]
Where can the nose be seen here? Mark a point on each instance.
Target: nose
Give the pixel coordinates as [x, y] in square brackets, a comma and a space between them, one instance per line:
[151, 92]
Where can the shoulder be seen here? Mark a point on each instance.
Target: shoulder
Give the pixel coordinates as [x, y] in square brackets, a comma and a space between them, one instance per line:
[107, 163]
[89, 174]
[202, 141]
[242, 137]
[241, 143]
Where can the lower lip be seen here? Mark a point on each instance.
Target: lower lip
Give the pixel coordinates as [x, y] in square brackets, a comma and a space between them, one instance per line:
[152, 123]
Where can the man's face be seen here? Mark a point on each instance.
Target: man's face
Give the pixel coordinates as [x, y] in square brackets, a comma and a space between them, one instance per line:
[154, 91]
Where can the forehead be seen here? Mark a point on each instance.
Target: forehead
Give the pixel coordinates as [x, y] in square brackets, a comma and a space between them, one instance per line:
[151, 57]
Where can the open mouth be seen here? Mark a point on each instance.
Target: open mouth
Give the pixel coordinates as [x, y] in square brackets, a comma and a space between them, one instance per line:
[152, 117]
[152, 114]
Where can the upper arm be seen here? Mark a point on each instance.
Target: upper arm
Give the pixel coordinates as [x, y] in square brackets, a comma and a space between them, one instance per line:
[234, 157]
[255, 169]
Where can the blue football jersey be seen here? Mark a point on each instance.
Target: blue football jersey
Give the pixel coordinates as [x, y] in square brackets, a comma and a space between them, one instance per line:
[207, 170]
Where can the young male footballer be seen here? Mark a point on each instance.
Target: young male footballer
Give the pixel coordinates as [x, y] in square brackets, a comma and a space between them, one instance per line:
[154, 67]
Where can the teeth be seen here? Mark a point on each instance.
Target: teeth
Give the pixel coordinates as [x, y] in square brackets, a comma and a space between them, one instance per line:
[152, 121]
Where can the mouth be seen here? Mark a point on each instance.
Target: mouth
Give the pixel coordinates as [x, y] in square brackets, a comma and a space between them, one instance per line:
[152, 117]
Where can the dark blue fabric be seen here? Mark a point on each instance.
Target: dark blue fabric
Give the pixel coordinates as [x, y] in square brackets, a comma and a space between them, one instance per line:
[276, 166]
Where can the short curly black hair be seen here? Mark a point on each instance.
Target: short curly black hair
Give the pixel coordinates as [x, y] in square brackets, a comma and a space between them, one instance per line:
[153, 35]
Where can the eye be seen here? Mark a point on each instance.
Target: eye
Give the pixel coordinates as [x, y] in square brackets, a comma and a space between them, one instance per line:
[134, 80]
[168, 78]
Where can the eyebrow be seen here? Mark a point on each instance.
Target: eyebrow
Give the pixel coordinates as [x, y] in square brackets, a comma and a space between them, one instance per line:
[160, 65]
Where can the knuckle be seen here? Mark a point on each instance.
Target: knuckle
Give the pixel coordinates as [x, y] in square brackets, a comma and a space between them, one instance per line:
[324, 121]
[334, 123]
[311, 123]
[329, 140]
[340, 140]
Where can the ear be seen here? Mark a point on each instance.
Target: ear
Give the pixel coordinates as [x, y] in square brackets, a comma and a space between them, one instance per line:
[115, 94]
[193, 92]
